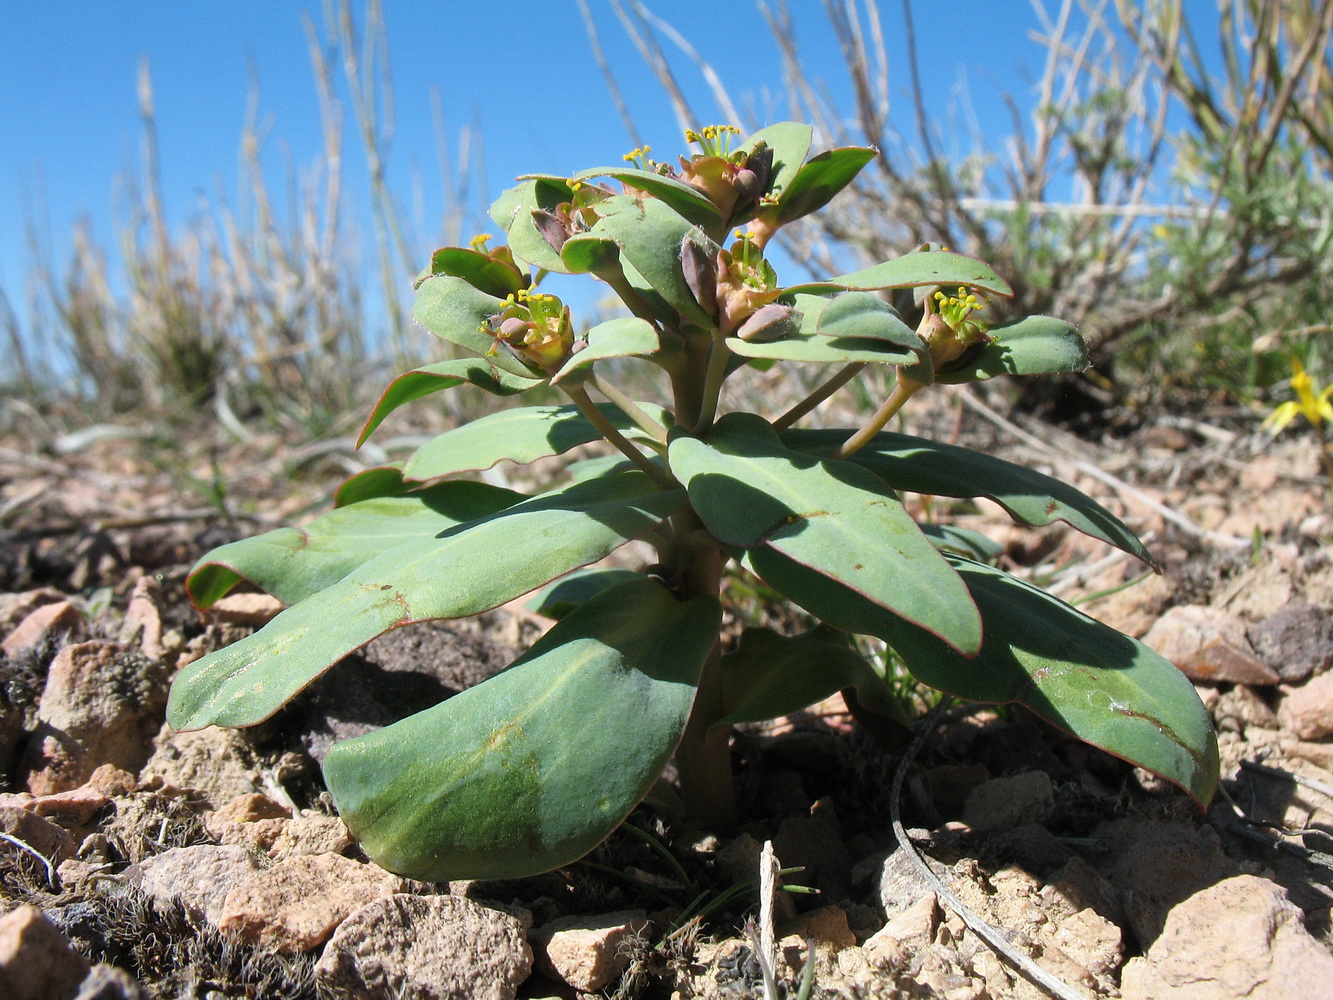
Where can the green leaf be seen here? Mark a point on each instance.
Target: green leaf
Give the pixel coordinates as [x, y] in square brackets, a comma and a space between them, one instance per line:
[411, 386]
[684, 199]
[625, 337]
[832, 516]
[562, 596]
[1037, 345]
[454, 311]
[521, 435]
[533, 768]
[921, 267]
[512, 212]
[790, 142]
[919, 465]
[464, 571]
[370, 484]
[650, 235]
[856, 331]
[295, 563]
[494, 277]
[950, 538]
[1085, 677]
[769, 675]
[584, 252]
[820, 179]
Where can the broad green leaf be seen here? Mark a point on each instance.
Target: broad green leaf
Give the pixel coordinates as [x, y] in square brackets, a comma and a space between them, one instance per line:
[467, 570]
[919, 465]
[512, 212]
[370, 484]
[921, 267]
[454, 311]
[769, 675]
[857, 331]
[494, 277]
[295, 563]
[584, 252]
[790, 142]
[1085, 677]
[521, 435]
[964, 542]
[684, 199]
[821, 178]
[650, 235]
[625, 337]
[832, 516]
[412, 385]
[1037, 345]
[533, 768]
[562, 596]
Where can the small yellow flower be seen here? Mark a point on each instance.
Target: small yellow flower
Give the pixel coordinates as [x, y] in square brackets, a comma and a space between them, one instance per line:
[1318, 410]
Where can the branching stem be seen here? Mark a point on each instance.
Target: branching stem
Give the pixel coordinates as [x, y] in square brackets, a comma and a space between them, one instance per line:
[579, 396]
[901, 393]
[823, 392]
[713, 378]
[631, 409]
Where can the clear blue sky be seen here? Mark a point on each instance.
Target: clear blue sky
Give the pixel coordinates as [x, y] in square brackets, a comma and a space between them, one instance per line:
[520, 70]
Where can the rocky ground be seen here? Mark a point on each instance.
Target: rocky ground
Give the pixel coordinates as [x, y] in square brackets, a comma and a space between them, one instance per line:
[140, 862]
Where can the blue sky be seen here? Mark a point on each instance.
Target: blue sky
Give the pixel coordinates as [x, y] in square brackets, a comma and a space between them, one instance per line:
[521, 71]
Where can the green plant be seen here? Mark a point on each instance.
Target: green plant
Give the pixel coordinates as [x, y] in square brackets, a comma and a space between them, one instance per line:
[534, 767]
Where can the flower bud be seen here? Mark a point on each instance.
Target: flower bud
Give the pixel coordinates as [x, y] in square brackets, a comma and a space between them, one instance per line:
[771, 322]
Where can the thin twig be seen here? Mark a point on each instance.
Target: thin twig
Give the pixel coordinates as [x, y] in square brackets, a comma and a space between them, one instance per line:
[52, 880]
[992, 936]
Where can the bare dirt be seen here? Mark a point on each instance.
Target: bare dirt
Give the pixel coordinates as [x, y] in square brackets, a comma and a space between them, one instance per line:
[204, 865]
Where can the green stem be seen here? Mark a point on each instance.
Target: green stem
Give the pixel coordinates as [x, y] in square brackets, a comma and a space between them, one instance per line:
[631, 409]
[598, 419]
[703, 759]
[843, 376]
[614, 275]
[718, 355]
[902, 392]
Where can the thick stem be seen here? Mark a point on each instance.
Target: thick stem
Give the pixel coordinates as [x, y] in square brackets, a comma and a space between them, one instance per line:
[902, 392]
[823, 392]
[609, 431]
[703, 759]
[614, 275]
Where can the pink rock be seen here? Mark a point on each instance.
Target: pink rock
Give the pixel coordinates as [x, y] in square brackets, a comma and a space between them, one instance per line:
[587, 952]
[1308, 710]
[15, 607]
[1265, 953]
[53, 621]
[245, 609]
[143, 618]
[36, 962]
[1209, 645]
[429, 948]
[198, 878]
[46, 838]
[101, 705]
[298, 903]
[1004, 803]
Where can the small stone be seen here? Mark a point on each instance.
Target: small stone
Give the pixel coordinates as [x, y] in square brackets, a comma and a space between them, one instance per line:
[56, 622]
[15, 607]
[911, 929]
[215, 762]
[36, 961]
[254, 610]
[428, 948]
[827, 925]
[198, 878]
[101, 705]
[1004, 803]
[1208, 645]
[143, 618]
[1296, 641]
[900, 884]
[1032, 847]
[587, 952]
[1241, 708]
[739, 857]
[106, 982]
[46, 838]
[312, 834]
[298, 903]
[1264, 954]
[1308, 710]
